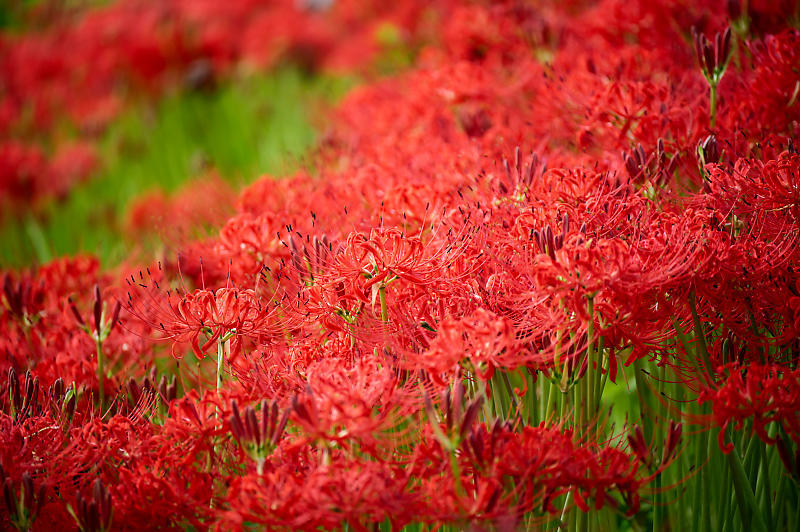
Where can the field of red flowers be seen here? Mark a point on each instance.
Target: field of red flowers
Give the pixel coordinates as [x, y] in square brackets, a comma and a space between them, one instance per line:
[543, 276]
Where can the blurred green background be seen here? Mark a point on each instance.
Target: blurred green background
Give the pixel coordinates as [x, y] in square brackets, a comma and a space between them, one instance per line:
[242, 129]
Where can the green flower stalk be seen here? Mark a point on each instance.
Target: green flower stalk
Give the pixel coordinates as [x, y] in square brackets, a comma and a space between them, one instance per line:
[102, 329]
[714, 58]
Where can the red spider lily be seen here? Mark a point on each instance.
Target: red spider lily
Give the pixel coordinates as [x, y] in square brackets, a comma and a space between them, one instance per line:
[23, 508]
[94, 514]
[764, 103]
[222, 315]
[382, 257]
[713, 57]
[374, 278]
[101, 327]
[257, 438]
[341, 407]
[540, 464]
[763, 394]
[361, 492]
[483, 339]
[421, 248]
[201, 203]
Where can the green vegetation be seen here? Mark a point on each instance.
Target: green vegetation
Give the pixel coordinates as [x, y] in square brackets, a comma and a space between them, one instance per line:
[246, 128]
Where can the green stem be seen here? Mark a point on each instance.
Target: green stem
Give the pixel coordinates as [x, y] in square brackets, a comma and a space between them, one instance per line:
[533, 389]
[780, 501]
[600, 377]
[512, 396]
[100, 373]
[744, 494]
[550, 402]
[497, 396]
[566, 504]
[728, 509]
[646, 409]
[384, 305]
[456, 469]
[697, 501]
[487, 409]
[580, 520]
[700, 334]
[763, 491]
[220, 360]
[713, 104]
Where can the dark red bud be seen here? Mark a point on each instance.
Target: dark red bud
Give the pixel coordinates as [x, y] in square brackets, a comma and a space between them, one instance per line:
[270, 419]
[27, 487]
[8, 495]
[470, 415]
[172, 389]
[475, 442]
[708, 56]
[75, 313]
[98, 307]
[723, 48]
[448, 409]
[58, 388]
[13, 387]
[114, 316]
[251, 425]
[133, 389]
[276, 436]
[236, 423]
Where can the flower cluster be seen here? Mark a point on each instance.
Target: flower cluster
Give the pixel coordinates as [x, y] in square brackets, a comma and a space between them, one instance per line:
[140, 48]
[548, 208]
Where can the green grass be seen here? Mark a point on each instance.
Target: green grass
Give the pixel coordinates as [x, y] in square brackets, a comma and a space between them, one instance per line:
[243, 130]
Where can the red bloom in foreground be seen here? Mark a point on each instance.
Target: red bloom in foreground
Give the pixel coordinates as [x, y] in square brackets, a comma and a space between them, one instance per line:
[763, 394]
[222, 315]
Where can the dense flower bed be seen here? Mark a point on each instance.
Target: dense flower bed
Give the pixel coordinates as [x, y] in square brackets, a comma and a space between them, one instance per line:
[132, 49]
[557, 200]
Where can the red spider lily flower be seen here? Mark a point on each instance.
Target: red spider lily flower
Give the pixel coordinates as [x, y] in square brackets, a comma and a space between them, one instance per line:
[380, 258]
[357, 491]
[101, 326]
[458, 416]
[94, 514]
[200, 203]
[23, 508]
[484, 339]
[713, 57]
[222, 315]
[763, 394]
[358, 274]
[344, 405]
[540, 464]
[258, 439]
[764, 104]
